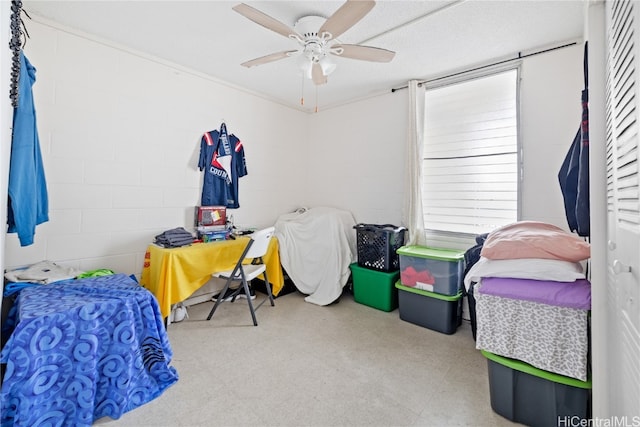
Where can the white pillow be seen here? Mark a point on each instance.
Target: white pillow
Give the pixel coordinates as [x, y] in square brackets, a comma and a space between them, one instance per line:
[525, 268]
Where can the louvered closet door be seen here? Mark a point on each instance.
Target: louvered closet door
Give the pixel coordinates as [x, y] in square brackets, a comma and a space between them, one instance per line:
[623, 208]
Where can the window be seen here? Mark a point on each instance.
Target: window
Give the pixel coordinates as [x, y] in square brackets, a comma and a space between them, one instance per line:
[470, 165]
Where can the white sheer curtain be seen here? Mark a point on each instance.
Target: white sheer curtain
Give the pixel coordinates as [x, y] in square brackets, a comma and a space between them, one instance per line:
[413, 218]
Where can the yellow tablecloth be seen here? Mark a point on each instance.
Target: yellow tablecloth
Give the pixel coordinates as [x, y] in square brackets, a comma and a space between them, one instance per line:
[172, 275]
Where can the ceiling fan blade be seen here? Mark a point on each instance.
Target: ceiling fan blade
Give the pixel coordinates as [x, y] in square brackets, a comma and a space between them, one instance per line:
[346, 17]
[263, 19]
[364, 53]
[316, 74]
[268, 58]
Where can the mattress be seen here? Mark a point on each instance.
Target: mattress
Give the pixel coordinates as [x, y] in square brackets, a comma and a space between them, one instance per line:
[82, 350]
[542, 323]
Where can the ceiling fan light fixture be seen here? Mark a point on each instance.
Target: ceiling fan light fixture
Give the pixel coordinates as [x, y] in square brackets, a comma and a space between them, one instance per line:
[317, 37]
[305, 65]
[327, 65]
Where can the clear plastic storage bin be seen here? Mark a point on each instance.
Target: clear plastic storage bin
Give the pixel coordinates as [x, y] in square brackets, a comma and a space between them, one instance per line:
[431, 269]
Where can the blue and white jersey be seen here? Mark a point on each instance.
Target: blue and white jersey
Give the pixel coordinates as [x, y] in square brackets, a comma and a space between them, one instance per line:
[223, 162]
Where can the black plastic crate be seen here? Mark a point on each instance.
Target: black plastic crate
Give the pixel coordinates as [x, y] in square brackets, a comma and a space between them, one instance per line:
[377, 246]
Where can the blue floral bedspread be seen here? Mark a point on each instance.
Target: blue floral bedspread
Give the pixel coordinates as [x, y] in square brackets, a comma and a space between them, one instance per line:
[82, 350]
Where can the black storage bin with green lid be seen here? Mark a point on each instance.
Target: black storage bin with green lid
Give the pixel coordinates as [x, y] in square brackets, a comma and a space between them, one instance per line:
[430, 310]
[534, 397]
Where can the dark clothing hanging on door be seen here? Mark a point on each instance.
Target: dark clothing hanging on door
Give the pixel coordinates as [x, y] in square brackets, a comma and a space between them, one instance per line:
[574, 172]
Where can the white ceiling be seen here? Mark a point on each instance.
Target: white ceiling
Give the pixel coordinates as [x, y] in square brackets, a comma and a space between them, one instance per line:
[430, 38]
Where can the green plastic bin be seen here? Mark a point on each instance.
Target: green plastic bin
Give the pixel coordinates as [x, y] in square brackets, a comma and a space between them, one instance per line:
[374, 288]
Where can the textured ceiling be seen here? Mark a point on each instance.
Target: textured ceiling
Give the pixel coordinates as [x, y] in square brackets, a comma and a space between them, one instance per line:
[430, 38]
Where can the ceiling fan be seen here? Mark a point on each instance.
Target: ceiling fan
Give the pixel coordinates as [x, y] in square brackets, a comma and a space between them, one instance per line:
[317, 46]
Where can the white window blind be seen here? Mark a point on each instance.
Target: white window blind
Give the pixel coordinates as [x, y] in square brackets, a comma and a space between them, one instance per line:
[470, 167]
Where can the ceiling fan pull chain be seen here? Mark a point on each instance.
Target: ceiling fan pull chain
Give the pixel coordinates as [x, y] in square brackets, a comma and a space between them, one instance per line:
[302, 91]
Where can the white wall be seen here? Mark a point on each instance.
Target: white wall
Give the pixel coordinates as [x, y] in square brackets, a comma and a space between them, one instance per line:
[120, 136]
[357, 151]
[356, 158]
[550, 114]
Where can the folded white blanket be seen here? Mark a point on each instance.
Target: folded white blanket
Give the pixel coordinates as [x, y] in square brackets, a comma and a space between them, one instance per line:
[43, 272]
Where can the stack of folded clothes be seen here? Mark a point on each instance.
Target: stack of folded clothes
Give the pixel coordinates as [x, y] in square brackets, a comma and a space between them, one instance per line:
[174, 238]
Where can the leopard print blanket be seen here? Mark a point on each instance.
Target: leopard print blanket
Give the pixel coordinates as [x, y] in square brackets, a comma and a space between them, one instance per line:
[547, 337]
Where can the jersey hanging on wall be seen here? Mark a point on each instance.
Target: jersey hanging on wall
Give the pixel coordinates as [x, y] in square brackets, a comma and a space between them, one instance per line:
[222, 160]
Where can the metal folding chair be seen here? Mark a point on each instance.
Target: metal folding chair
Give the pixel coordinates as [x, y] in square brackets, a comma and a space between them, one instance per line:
[245, 272]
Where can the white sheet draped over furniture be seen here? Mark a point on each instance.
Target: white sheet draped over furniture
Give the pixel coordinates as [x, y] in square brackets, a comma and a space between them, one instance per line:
[316, 248]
